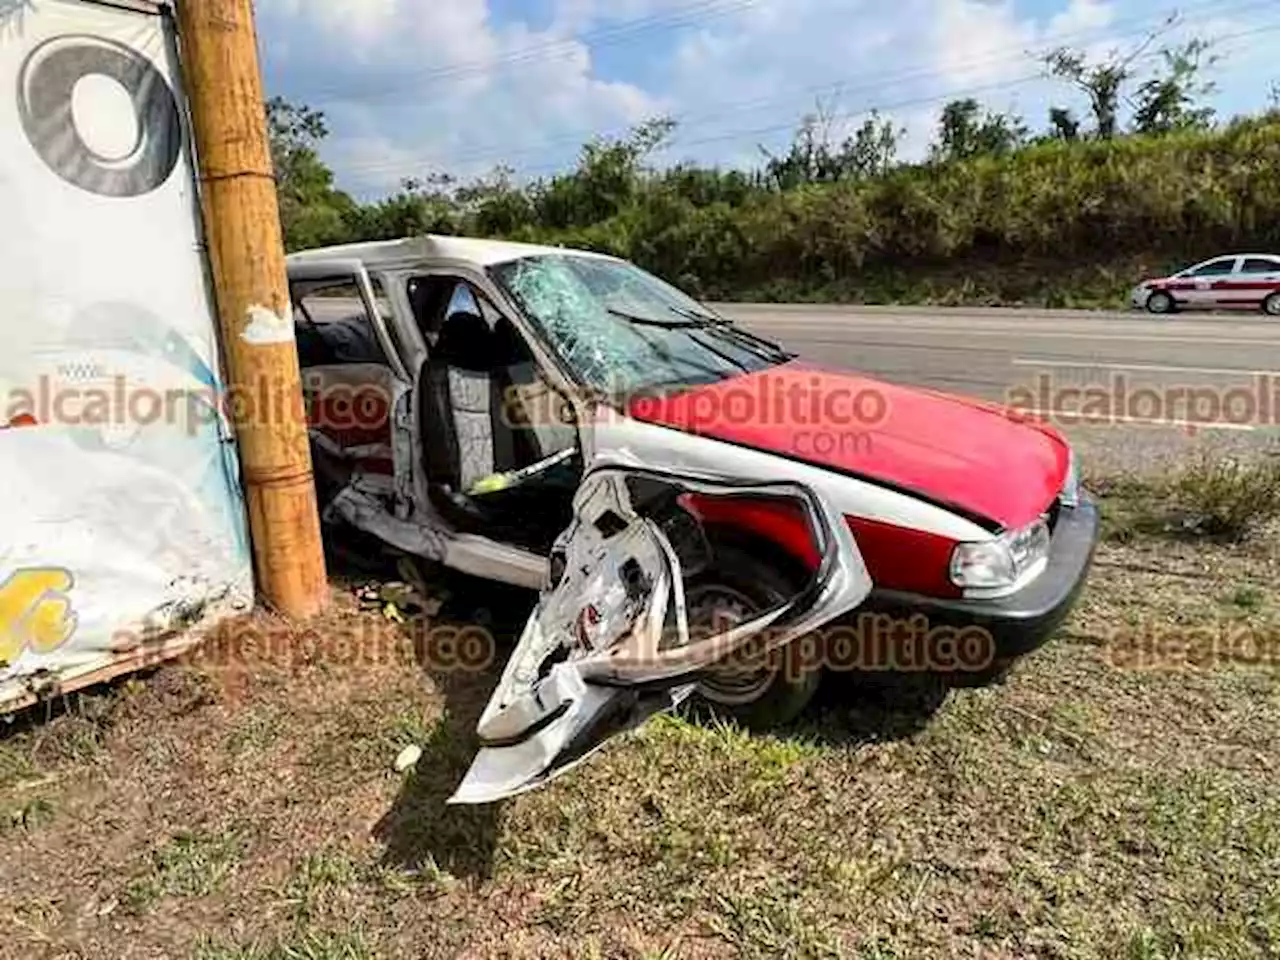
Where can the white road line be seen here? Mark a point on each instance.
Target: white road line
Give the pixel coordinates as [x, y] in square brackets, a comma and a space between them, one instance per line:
[1146, 367]
[940, 330]
[1070, 418]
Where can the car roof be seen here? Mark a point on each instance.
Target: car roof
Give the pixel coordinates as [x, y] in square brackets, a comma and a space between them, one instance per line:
[1228, 256]
[414, 250]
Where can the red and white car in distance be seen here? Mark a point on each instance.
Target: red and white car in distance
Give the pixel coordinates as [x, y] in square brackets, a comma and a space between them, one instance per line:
[1246, 281]
[705, 516]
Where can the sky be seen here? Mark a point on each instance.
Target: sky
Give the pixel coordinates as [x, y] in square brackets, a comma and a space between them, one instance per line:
[413, 87]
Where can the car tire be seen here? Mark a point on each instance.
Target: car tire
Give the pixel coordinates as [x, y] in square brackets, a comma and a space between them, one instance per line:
[1160, 303]
[1271, 305]
[738, 586]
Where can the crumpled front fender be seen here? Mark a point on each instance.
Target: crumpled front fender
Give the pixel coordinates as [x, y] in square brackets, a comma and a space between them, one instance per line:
[609, 644]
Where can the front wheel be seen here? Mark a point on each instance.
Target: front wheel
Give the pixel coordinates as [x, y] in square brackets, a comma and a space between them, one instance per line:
[1271, 305]
[1160, 302]
[757, 694]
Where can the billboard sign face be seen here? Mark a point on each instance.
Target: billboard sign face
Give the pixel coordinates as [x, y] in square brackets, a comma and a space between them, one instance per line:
[122, 519]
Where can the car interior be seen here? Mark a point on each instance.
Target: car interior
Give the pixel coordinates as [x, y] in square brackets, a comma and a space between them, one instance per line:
[349, 340]
[337, 346]
[503, 459]
[501, 463]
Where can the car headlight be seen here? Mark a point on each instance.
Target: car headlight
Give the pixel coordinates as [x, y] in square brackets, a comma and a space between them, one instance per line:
[1002, 563]
[1070, 496]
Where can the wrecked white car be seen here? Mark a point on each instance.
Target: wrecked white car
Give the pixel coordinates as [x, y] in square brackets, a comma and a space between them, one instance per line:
[702, 512]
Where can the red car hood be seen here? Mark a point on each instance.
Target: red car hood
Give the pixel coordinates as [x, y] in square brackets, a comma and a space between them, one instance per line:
[977, 458]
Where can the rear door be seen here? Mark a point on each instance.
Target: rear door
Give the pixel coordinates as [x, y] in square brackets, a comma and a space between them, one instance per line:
[352, 371]
[610, 645]
[1255, 278]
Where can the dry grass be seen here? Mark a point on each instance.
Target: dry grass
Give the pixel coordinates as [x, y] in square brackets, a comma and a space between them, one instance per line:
[1229, 497]
[1223, 496]
[1119, 796]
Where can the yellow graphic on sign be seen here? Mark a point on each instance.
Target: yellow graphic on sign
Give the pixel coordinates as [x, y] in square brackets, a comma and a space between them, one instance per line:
[35, 612]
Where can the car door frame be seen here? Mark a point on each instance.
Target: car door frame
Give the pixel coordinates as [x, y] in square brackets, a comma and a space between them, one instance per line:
[436, 538]
[561, 378]
[335, 271]
[1220, 290]
[1251, 292]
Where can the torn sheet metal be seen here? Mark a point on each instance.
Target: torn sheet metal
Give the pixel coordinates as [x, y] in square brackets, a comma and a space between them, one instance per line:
[610, 645]
[123, 518]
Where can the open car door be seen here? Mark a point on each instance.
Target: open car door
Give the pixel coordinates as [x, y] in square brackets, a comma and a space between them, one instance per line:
[610, 644]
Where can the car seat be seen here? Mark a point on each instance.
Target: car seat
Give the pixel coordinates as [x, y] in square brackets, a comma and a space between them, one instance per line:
[467, 439]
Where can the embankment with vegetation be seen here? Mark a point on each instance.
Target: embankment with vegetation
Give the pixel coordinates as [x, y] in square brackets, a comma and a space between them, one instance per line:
[1059, 224]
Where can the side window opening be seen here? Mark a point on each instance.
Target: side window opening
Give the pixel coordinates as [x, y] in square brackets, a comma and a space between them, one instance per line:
[435, 299]
[1216, 268]
[464, 300]
[432, 299]
[333, 328]
[1260, 265]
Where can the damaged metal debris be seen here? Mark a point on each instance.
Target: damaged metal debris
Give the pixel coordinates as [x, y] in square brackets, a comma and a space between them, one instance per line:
[610, 644]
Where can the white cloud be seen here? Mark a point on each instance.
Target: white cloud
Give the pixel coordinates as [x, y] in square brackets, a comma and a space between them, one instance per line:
[1080, 16]
[414, 85]
[411, 86]
[335, 17]
[979, 42]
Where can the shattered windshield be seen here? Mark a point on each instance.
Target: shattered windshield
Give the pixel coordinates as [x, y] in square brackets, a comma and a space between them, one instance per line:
[623, 330]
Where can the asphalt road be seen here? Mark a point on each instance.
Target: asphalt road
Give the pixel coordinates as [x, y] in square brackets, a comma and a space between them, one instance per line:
[1137, 376]
[990, 353]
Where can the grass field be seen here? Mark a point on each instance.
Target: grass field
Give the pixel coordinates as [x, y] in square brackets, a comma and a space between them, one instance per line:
[1119, 796]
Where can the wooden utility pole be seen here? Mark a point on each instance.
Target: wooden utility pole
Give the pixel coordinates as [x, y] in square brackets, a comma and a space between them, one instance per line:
[219, 52]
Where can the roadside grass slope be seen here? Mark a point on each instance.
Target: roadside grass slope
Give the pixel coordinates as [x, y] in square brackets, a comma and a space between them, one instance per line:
[1053, 224]
[1119, 796]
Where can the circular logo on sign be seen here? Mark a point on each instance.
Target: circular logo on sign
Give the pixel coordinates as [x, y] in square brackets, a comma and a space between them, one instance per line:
[47, 90]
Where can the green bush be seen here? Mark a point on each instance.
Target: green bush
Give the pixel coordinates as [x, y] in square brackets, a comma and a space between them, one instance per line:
[1227, 498]
[1111, 210]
